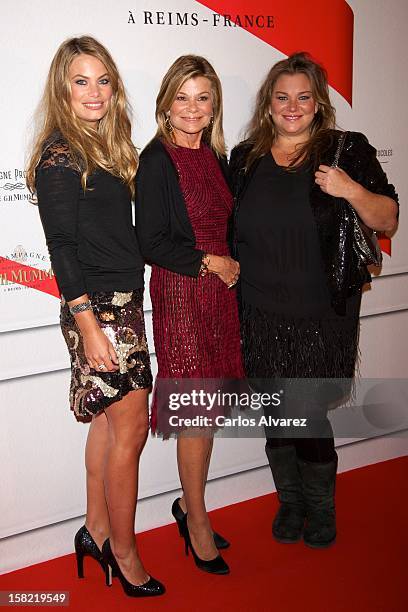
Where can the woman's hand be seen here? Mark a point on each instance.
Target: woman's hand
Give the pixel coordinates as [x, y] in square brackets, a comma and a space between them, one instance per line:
[99, 351]
[335, 182]
[377, 211]
[225, 267]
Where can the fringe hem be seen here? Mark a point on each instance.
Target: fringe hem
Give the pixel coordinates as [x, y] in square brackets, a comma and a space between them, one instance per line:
[278, 347]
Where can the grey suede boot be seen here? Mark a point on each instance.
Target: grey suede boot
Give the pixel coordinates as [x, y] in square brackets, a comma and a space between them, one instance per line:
[288, 523]
[318, 480]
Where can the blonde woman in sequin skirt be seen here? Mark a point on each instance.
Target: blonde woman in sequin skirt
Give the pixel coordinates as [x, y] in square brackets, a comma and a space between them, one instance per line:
[82, 170]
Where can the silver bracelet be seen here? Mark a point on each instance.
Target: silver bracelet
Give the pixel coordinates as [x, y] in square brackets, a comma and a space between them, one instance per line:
[80, 307]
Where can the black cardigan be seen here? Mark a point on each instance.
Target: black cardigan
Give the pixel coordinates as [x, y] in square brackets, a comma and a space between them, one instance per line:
[164, 231]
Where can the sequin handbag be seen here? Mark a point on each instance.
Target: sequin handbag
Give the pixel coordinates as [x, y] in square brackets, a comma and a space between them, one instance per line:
[365, 241]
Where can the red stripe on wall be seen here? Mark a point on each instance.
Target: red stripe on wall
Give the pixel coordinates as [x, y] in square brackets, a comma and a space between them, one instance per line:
[324, 29]
[385, 243]
[35, 278]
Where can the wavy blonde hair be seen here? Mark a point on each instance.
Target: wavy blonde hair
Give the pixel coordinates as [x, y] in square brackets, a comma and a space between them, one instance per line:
[261, 133]
[184, 68]
[110, 146]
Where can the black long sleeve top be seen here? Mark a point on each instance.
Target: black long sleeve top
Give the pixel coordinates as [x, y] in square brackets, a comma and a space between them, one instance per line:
[344, 272]
[163, 226]
[89, 234]
[277, 242]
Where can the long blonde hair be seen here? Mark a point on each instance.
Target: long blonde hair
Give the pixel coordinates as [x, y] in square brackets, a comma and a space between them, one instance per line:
[262, 133]
[110, 146]
[184, 68]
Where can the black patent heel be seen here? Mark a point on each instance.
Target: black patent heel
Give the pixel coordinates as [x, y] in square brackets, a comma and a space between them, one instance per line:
[213, 566]
[80, 563]
[186, 542]
[219, 541]
[108, 575]
[151, 588]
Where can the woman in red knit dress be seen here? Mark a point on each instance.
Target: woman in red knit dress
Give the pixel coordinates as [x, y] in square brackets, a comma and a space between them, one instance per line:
[183, 207]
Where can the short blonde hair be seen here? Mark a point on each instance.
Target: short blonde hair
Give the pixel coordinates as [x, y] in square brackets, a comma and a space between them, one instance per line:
[184, 68]
[110, 147]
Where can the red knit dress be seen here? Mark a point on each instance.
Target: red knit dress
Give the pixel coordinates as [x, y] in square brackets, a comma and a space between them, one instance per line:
[195, 320]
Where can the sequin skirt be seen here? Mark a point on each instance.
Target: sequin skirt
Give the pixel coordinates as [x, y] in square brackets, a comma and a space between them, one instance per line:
[121, 318]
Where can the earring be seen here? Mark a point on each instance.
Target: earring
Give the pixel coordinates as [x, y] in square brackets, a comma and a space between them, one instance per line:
[210, 125]
[168, 124]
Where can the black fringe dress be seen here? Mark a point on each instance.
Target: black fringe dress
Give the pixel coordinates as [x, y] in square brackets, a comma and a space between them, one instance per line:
[289, 329]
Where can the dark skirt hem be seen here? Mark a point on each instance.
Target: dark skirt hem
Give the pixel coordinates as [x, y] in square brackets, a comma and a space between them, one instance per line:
[106, 402]
[275, 346]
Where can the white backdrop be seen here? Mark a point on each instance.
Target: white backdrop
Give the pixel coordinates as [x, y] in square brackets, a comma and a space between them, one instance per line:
[144, 47]
[37, 429]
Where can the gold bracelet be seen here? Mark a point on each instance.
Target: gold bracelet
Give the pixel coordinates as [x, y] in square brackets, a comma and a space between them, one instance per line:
[205, 262]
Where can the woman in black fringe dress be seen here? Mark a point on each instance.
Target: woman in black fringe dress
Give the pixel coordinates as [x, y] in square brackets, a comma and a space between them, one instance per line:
[300, 280]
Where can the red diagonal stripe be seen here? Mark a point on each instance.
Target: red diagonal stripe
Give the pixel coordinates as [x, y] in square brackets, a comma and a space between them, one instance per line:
[324, 28]
[28, 276]
[385, 243]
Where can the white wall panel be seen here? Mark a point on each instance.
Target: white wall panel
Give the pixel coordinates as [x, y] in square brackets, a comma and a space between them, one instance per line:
[42, 349]
[42, 445]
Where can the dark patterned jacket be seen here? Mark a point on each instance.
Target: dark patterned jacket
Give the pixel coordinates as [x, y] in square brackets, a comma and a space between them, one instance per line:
[345, 275]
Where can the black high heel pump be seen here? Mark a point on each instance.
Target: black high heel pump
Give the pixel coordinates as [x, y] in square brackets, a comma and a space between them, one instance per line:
[179, 515]
[85, 546]
[149, 589]
[213, 566]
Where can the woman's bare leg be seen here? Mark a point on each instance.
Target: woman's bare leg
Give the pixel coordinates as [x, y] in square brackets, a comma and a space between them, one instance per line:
[182, 502]
[127, 433]
[97, 517]
[193, 455]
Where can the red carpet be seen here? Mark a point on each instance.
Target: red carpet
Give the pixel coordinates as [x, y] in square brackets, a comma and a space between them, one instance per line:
[365, 571]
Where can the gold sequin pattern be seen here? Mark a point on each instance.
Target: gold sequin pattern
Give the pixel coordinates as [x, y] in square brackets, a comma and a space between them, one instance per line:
[121, 318]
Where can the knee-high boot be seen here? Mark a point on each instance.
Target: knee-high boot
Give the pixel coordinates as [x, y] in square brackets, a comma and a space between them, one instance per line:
[318, 483]
[288, 523]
